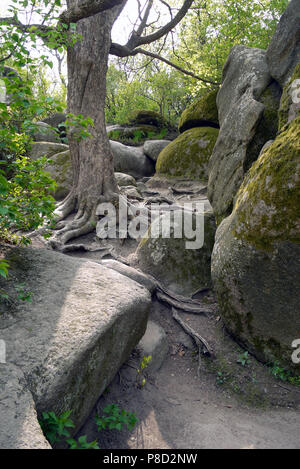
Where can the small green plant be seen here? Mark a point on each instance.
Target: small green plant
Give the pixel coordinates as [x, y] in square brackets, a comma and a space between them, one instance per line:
[243, 359]
[23, 294]
[221, 378]
[161, 134]
[141, 380]
[54, 428]
[114, 134]
[284, 375]
[254, 378]
[115, 418]
[82, 443]
[138, 135]
[78, 126]
[4, 268]
[4, 296]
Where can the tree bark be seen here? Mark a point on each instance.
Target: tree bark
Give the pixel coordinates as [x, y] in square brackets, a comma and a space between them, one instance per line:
[91, 158]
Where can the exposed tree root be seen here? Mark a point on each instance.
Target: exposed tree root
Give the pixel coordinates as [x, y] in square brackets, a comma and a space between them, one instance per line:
[84, 248]
[65, 208]
[187, 306]
[179, 191]
[203, 346]
[72, 229]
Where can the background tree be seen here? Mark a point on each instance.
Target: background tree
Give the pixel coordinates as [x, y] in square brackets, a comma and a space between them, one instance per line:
[151, 86]
[92, 160]
[84, 29]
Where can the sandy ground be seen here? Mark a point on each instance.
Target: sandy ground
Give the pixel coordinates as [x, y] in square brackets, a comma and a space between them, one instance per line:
[179, 409]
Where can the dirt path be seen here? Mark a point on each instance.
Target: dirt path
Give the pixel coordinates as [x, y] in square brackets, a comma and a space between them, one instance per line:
[178, 409]
[231, 401]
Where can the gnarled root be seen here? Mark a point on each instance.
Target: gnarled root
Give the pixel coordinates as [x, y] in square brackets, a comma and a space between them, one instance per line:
[84, 221]
[73, 229]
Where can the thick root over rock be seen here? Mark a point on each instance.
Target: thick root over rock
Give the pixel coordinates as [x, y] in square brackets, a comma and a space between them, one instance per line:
[84, 221]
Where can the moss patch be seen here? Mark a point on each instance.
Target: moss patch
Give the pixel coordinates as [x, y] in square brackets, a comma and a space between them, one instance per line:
[202, 113]
[171, 261]
[268, 201]
[188, 154]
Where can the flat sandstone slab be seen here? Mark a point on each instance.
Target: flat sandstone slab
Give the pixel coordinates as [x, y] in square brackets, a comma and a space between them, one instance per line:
[82, 324]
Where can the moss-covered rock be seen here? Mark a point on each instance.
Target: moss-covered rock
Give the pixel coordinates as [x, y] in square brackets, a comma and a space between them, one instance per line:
[146, 117]
[171, 261]
[188, 154]
[246, 77]
[289, 108]
[255, 262]
[125, 180]
[267, 205]
[59, 166]
[133, 135]
[61, 171]
[202, 113]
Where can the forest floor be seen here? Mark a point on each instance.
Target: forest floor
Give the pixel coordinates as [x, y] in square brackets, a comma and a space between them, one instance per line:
[229, 401]
[183, 407]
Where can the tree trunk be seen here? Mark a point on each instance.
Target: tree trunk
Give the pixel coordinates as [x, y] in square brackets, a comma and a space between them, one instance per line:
[91, 158]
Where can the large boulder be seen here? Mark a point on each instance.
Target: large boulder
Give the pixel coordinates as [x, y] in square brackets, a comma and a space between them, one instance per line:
[245, 70]
[133, 134]
[283, 53]
[56, 119]
[202, 113]
[188, 154]
[20, 428]
[65, 347]
[125, 180]
[152, 148]
[131, 160]
[48, 149]
[45, 133]
[146, 117]
[60, 169]
[255, 262]
[245, 78]
[170, 259]
[59, 166]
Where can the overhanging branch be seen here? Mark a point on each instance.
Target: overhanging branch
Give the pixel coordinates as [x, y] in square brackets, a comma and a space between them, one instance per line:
[138, 40]
[124, 51]
[87, 8]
